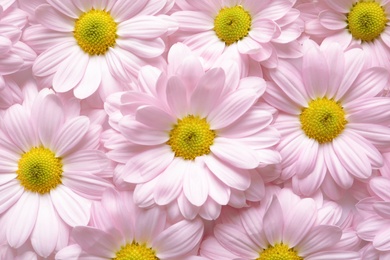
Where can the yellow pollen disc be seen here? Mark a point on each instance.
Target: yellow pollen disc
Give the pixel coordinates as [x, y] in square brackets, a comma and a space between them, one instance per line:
[95, 32]
[279, 252]
[191, 137]
[366, 20]
[323, 120]
[232, 24]
[135, 251]
[39, 170]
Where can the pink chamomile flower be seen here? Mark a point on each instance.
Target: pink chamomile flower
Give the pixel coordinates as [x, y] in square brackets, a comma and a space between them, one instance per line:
[96, 45]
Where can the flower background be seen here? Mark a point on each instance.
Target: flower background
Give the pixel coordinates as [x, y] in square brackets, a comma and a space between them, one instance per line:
[182, 129]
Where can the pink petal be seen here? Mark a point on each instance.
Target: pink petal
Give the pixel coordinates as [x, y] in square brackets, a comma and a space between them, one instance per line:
[366, 110]
[155, 118]
[72, 208]
[139, 133]
[177, 96]
[23, 216]
[231, 176]
[150, 223]
[308, 158]
[91, 79]
[142, 27]
[86, 185]
[187, 209]
[236, 241]
[335, 63]
[210, 210]
[72, 132]
[332, 20]
[319, 238]
[50, 18]
[207, 92]
[10, 63]
[46, 231]
[274, 222]
[305, 213]
[123, 10]
[143, 194]
[382, 241]
[264, 30]
[10, 193]
[95, 241]
[170, 182]
[220, 193]
[92, 161]
[340, 255]
[195, 183]
[380, 188]
[50, 117]
[234, 153]
[192, 21]
[249, 45]
[336, 169]
[231, 108]
[145, 48]
[179, 239]
[275, 9]
[342, 6]
[70, 71]
[65, 7]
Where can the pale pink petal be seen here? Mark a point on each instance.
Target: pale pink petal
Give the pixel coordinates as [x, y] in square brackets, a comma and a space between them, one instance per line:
[231, 176]
[368, 84]
[382, 241]
[236, 241]
[251, 122]
[207, 92]
[177, 96]
[123, 9]
[114, 62]
[355, 162]
[369, 227]
[253, 223]
[332, 20]
[319, 238]
[382, 208]
[86, 185]
[231, 108]
[92, 161]
[153, 7]
[308, 158]
[281, 100]
[22, 217]
[338, 255]
[380, 188]
[170, 182]
[195, 183]
[71, 71]
[275, 9]
[150, 223]
[187, 209]
[41, 39]
[273, 222]
[91, 79]
[142, 27]
[191, 21]
[95, 241]
[10, 193]
[141, 134]
[10, 63]
[335, 168]
[264, 30]
[145, 48]
[248, 45]
[66, 7]
[5, 45]
[71, 252]
[256, 190]
[305, 214]
[149, 80]
[50, 18]
[234, 153]
[342, 6]
[48, 62]
[20, 128]
[179, 239]
[143, 194]
[316, 73]
[72, 208]
[46, 231]
[210, 210]
[205, 6]
[50, 117]
[212, 249]
[71, 133]
[220, 193]
[335, 63]
[155, 118]
[366, 111]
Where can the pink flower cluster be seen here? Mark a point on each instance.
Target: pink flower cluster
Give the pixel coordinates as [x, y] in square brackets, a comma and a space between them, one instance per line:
[183, 129]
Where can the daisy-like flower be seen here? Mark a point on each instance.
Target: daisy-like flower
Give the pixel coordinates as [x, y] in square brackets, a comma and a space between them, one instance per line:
[351, 22]
[286, 227]
[92, 44]
[332, 124]
[120, 230]
[195, 138]
[262, 30]
[48, 166]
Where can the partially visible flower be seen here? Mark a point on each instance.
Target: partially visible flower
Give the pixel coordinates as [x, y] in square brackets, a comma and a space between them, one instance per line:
[97, 45]
[120, 230]
[333, 125]
[48, 172]
[261, 30]
[284, 227]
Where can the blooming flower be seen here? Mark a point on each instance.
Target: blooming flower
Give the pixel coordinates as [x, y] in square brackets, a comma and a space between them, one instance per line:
[287, 227]
[262, 30]
[194, 140]
[48, 159]
[120, 230]
[331, 121]
[89, 44]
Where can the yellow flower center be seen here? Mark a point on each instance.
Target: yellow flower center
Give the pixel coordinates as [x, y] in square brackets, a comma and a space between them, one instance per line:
[232, 24]
[366, 20]
[279, 252]
[39, 170]
[95, 32]
[191, 137]
[323, 120]
[135, 251]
